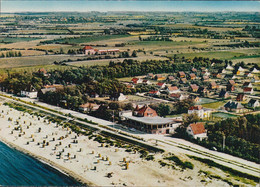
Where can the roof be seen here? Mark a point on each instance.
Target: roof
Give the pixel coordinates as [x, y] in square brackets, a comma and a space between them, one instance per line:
[143, 109]
[87, 47]
[135, 80]
[192, 75]
[232, 82]
[197, 128]
[233, 105]
[196, 107]
[160, 83]
[247, 89]
[194, 86]
[175, 95]
[88, 105]
[252, 101]
[246, 84]
[240, 97]
[173, 88]
[213, 83]
[194, 69]
[150, 120]
[222, 93]
[181, 73]
[153, 91]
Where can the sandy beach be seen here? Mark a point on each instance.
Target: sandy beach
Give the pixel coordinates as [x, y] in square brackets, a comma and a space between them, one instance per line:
[90, 162]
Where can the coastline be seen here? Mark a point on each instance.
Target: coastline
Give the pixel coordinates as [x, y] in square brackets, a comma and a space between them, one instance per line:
[50, 163]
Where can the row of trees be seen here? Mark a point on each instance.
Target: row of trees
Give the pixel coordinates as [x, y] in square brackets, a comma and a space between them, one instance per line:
[11, 54]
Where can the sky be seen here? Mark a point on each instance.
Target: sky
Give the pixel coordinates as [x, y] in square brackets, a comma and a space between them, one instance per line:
[104, 6]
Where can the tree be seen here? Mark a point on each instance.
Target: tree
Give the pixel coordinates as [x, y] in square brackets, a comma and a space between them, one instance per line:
[190, 118]
[134, 54]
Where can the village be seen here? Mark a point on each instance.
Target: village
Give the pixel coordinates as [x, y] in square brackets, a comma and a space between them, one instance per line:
[215, 93]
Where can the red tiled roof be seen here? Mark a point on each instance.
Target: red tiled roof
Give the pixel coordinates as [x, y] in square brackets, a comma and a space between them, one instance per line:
[153, 92]
[181, 73]
[134, 80]
[172, 88]
[192, 75]
[232, 82]
[196, 107]
[160, 83]
[194, 87]
[87, 48]
[247, 89]
[197, 128]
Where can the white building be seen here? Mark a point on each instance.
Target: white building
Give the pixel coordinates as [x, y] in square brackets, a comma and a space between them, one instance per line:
[200, 111]
[197, 131]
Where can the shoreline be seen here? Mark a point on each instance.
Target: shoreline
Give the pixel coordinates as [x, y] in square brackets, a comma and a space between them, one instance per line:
[48, 162]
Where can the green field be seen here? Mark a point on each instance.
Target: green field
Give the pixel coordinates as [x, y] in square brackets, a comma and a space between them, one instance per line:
[215, 105]
[18, 39]
[85, 39]
[165, 43]
[218, 55]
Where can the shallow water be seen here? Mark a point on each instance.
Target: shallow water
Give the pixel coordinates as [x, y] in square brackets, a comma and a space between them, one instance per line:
[17, 168]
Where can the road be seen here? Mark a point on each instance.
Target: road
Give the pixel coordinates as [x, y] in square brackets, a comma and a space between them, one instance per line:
[169, 144]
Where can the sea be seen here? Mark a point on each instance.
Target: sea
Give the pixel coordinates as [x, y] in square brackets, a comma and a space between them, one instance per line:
[19, 169]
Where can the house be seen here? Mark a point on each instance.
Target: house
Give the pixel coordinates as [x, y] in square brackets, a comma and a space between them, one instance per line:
[146, 82]
[248, 74]
[205, 78]
[136, 81]
[150, 76]
[231, 82]
[255, 70]
[197, 131]
[194, 87]
[93, 95]
[217, 75]
[159, 77]
[178, 97]
[223, 94]
[117, 97]
[181, 74]
[213, 85]
[223, 71]
[144, 111]
[88, 50]
[30, 92]
[88, 107]
[194, 70]
[241, 69]
[161, 84]
[43, 72]
[192, 76]
[183, 80]
[248, 90]
[200, 111]
[234, 107]
[170, 78]
[147, 120]
[240, 97]
[255, 79]
[203, 91]
[153, 93]
[253, 103]
[205, 73]
[172, 89]
[230, 88]
[194, 98]
[230, 68]
[247, 84]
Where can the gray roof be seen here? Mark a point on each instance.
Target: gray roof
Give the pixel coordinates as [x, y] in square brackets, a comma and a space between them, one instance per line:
[233, 104]
[150, 120]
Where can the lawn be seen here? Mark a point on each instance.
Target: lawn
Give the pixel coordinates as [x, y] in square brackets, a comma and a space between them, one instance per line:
[223, 115]
[215, 105]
